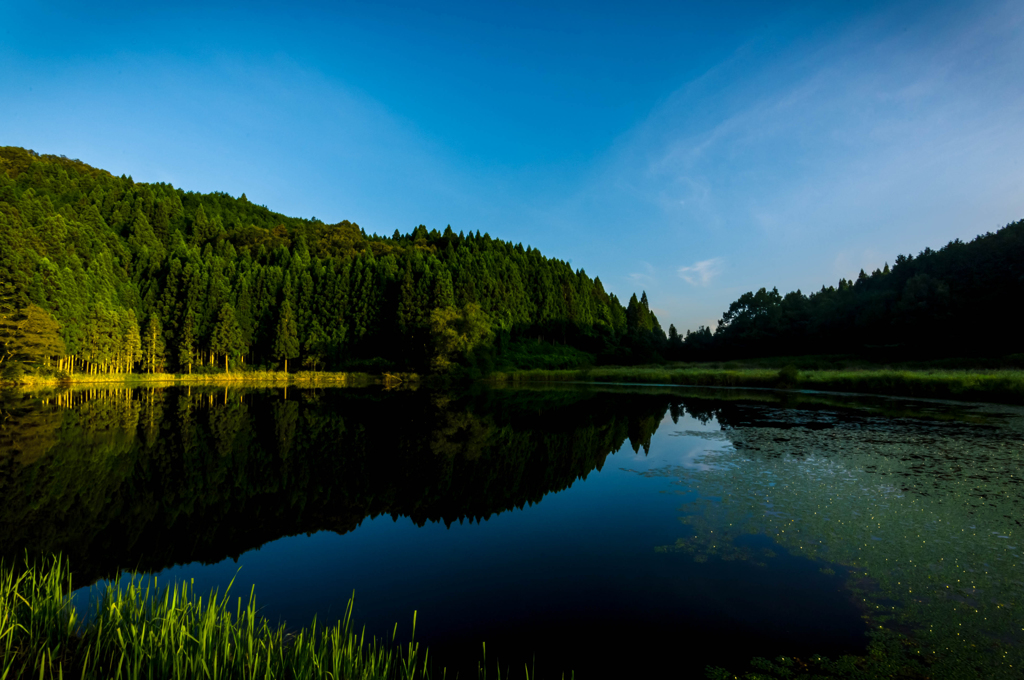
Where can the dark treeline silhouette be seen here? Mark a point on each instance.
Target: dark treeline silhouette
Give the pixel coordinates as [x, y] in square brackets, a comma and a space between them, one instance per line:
[102, 274]
[148, 478]
[960, 300]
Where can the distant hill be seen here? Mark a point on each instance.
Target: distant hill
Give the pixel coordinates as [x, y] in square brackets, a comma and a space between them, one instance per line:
[964, 299]
[101, 273]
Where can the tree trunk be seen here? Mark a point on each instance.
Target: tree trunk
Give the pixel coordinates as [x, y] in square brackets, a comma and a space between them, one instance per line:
[286, 365]
[226, 363]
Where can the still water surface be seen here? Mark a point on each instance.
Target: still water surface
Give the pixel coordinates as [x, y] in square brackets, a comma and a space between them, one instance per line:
[596, 530]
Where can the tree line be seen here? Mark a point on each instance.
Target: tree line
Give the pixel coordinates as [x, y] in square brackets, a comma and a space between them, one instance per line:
[957, 301]
[101, 274]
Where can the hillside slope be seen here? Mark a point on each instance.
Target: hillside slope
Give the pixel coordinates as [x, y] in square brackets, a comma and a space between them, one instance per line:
[135, 276]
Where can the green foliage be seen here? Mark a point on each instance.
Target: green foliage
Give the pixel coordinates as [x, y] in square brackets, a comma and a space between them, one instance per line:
[12, 370]
[788, 375]
[88, 248]
[530, 354]
[456, 333]
[30, 335]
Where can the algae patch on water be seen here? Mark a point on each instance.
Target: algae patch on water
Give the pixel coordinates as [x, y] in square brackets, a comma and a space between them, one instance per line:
[923, 513]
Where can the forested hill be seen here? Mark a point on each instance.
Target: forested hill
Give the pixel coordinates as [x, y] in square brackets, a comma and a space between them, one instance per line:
[101, 273]
[961, 300]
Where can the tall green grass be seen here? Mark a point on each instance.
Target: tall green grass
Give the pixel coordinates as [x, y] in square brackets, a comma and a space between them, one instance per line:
[138, 631]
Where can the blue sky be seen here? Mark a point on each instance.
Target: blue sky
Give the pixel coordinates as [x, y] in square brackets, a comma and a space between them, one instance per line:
[695, 151]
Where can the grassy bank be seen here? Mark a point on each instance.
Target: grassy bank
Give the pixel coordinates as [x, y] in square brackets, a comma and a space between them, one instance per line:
[136, 632]
[236, 378]
[996, 385]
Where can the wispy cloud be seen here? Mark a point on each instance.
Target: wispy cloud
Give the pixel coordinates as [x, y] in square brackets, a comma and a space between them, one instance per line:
[882, 133]
[701, 273]
[644, 278]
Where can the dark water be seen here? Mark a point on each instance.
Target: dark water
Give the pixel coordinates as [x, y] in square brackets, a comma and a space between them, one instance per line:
[597, 530]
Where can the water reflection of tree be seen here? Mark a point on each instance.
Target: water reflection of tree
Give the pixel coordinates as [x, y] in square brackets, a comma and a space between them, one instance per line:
[64, 484]
[27, 432]
[149, 478]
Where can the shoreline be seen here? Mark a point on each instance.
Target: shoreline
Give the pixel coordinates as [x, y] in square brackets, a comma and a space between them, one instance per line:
[1001, 386]
[256, 378]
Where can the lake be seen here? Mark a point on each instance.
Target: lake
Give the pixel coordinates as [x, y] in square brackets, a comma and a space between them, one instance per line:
[591, 529]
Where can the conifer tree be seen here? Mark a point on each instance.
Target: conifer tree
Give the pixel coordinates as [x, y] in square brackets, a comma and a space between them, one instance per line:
[286, 342]
[30, 335]
[200, 226]
[162, 221]
[187, 341]
[443, 295]
[673, 336]
[131, 339]
[633, 314]
[8, 310]
[646, 318]
[313, 347]
[407, 309]
[227, 336]
[153, 345]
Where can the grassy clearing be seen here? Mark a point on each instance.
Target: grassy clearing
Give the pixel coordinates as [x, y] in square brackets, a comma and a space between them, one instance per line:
[995, 385]
[533, 354]
[140, 632]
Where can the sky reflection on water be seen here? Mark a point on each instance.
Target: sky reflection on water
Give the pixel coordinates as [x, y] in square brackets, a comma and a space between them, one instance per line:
[551, 523]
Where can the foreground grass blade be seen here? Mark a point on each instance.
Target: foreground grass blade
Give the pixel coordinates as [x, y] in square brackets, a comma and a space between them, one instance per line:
[138, 632]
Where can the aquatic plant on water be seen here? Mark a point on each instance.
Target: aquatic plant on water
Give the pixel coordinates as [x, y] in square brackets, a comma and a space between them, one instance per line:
[928, 540]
